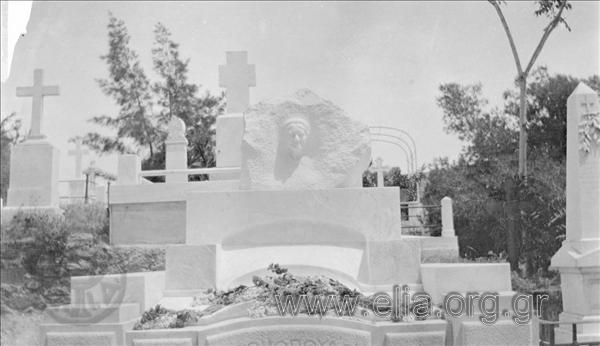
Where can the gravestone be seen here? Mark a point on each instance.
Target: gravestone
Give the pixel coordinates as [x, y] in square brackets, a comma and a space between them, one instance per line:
[34, 163]
[578, 259]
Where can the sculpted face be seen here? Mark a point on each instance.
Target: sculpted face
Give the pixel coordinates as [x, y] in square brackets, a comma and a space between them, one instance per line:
[296, 130]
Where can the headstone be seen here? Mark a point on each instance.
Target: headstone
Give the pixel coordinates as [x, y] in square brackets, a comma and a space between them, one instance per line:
[34, 163]
[237, 77]
[447, 218]
[578, 259]
[78, 152]
[176, 151]
[37, 92]
[303, 142]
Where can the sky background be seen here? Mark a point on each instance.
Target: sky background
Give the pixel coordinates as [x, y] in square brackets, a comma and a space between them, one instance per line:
[382, 62]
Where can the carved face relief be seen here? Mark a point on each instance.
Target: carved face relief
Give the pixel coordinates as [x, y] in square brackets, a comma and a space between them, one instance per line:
[296, 131]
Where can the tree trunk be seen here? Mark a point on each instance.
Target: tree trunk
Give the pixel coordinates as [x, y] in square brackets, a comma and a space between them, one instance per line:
[523, 126]
[513, 243]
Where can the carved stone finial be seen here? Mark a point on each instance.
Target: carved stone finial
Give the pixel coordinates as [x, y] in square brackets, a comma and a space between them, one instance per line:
[176, 130]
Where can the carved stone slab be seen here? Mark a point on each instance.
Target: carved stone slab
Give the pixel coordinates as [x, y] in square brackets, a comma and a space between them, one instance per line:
[302, 142]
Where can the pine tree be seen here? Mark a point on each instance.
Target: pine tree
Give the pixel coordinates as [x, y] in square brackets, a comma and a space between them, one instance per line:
[178, 98]
[130, 88]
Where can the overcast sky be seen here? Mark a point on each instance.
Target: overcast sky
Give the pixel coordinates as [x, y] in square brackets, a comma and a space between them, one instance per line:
[382, 62]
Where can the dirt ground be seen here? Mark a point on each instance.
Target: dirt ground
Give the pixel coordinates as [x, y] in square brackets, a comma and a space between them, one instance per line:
[20, 328]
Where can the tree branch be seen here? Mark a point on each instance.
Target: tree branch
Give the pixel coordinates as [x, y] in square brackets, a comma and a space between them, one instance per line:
[508, 35]
[547, 32]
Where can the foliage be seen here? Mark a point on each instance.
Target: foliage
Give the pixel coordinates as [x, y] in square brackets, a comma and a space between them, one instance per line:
[147, 107]
[394, 177]
[589, 131]
[554, 10]
[51, 248]
[547, 109]
[129, 87]
[10, 134]
[478, 180]
[178, 98]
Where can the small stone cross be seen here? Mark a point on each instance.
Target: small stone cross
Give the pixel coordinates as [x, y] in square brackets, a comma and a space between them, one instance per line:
[237, 76]
[37, 92]
[78, 153]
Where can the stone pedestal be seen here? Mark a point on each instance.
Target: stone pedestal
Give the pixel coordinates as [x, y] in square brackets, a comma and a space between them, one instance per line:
[33, 175]
[230, 130]
[176, 151]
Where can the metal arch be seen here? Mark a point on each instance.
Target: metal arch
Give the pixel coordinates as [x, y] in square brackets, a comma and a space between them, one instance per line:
[399, 146]
[403, 132]
[412, 159]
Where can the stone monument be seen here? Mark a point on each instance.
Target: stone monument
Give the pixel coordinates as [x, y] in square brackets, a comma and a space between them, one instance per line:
[34, 163]
[578, 260]
[303, 142]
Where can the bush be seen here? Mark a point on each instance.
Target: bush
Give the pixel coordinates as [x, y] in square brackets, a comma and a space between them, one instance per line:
[51, 248]
[87, 218]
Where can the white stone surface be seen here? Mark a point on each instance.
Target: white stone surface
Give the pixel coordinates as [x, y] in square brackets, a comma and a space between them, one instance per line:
[145, 289]
[322, 217]
[230, 129]
[37, 92]
[501, 333]
[440, 279]
[302, 142]
[237, 76]
[447, 218]
[154, 213]
[191, 268]
[578, 259]
[129, 167]
[34, 167]
[176, 151]
[81, 339]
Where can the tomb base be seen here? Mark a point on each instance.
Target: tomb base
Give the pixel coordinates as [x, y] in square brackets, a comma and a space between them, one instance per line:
[579, 266]
[33, 175]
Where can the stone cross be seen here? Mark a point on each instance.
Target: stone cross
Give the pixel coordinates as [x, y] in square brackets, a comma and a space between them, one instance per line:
[37, 92]
[380, 170]
[78, 153]
[237, 76]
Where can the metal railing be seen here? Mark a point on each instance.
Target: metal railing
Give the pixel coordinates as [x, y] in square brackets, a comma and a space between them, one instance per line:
[189, 171]
[422, 229]
[548, 337]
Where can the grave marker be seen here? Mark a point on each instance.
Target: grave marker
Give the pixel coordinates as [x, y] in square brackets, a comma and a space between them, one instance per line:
[37, 93]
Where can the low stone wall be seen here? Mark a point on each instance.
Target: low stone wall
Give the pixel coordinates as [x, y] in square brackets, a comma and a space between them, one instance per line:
[154, 213]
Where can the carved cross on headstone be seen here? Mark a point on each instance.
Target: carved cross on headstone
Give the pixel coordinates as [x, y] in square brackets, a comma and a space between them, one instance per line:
[379, 169]
[78, 153]
[237, 77]
[37, 92]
